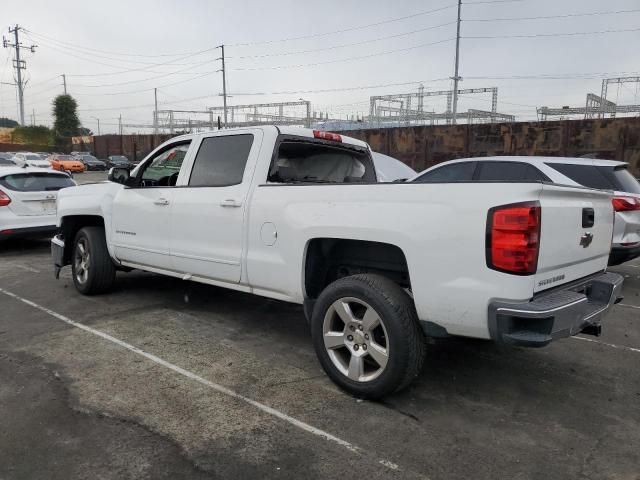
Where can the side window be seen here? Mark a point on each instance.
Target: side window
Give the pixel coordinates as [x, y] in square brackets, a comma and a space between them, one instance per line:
[456, 172]
[220, 161]
[163, 169]
[508, 172]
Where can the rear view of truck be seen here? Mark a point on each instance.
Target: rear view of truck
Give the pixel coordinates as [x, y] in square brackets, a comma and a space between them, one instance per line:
[562, 243]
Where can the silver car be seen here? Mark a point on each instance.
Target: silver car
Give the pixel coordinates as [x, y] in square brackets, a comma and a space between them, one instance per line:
[588, 172]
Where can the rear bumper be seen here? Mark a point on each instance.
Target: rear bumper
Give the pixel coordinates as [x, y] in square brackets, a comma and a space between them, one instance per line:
[556, 314]
[42, 230]
[621, 254]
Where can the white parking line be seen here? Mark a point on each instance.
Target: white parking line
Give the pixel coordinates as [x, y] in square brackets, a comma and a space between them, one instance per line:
[219, 388]
[612, 345]
[628, 306]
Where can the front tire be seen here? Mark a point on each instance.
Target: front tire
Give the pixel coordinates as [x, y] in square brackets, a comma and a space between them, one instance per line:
[366, 335]
[91, 266]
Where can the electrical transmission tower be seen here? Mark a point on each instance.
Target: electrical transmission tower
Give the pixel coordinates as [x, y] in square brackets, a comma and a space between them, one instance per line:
[18, 64]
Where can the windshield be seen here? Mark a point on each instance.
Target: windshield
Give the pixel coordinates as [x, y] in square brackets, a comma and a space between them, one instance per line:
[65, 157]
[89, 158]
[6, 161]
[119, 158]
[36, 182]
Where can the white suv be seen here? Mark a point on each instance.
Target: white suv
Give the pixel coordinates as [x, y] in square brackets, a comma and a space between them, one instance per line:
[28, 200]
[593, 173]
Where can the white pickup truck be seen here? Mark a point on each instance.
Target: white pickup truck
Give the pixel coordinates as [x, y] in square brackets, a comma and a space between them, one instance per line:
[298, 215]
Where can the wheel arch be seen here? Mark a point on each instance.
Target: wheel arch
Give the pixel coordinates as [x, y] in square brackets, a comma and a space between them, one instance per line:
[327, 259]
[69, 226]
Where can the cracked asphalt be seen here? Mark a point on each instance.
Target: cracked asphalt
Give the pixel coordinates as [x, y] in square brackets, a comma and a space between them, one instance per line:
[74, 405]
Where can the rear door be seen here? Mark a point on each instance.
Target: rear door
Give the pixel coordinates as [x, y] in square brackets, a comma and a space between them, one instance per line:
[209, 210]
[575, 235]
[34, 193]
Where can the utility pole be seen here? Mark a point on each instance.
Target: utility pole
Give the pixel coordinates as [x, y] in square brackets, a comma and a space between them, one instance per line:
[224, 86]
[155, 113]
[456, 77]
[97, 120]
[120, 125]
[64, 83]
[33, 117]
[18, 64]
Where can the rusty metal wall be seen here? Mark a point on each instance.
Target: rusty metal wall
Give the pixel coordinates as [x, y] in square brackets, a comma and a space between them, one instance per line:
[422, 147]
[134, 147]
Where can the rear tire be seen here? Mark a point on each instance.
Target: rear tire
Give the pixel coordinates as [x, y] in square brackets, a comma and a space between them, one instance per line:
[92, 269]
[366, 335]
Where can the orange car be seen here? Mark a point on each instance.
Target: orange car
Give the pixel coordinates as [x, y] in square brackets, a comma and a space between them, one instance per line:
[66, 163]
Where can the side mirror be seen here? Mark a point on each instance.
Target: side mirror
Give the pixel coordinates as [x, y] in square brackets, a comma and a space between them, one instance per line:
[118, 175]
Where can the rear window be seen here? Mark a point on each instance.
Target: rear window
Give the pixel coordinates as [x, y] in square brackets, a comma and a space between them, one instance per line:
[600, 177]
[36, 182]
[621, 178]
[302, 161]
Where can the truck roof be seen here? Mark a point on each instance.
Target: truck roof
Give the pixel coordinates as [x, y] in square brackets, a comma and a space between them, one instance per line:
[285, 130]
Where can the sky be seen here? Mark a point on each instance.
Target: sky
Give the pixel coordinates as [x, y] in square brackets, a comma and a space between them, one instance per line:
[335, 54]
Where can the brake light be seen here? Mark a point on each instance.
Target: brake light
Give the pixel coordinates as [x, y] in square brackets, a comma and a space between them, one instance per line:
[333, 137]
[513, 238]
[4, 199]
[625, 204]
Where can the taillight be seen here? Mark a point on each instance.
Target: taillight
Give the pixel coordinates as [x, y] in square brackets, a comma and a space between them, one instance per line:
[625, 204]
[4, 199]
[334, 137]
[513, 238]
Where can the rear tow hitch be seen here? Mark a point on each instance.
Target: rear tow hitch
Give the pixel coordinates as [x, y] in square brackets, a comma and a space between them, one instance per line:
[593, 329]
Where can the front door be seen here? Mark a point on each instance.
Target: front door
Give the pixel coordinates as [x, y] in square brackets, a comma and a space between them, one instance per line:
[142, 210]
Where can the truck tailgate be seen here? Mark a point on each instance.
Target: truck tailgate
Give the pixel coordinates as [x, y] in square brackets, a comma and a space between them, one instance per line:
[575, 235]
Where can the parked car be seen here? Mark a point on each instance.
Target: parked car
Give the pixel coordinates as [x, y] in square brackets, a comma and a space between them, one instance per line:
[28, 200]
[66, 163]
[391, 169]
[92, 163]
[298, 215]
[588, 172]
[6, 160]
[118, 161]
[31, 160]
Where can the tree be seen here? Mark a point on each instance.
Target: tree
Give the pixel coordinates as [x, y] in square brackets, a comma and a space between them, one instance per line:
[85, 132]
[66, 122]
[8, 123]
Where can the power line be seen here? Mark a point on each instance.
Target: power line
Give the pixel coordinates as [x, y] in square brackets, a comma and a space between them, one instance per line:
[118, 53]
[146, 79]
[351, 29]
[570, 34]
[547, 17]
[298, 52]
[378, 54]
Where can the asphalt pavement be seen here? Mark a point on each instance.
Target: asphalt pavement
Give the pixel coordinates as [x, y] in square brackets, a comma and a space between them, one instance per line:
[170, 379]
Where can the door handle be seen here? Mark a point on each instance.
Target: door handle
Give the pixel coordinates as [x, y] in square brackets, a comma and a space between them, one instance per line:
[230, 202]
[161, 201]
